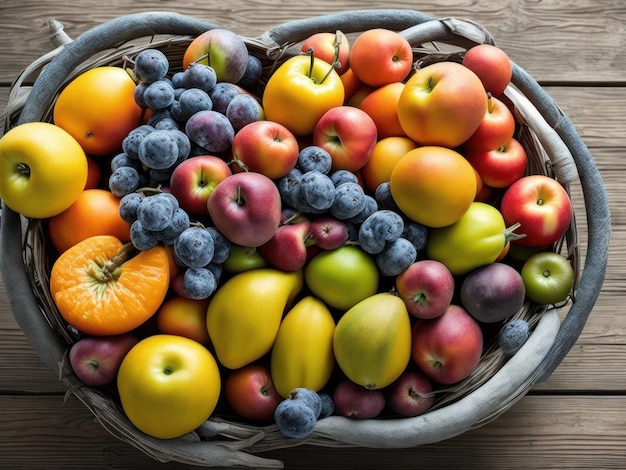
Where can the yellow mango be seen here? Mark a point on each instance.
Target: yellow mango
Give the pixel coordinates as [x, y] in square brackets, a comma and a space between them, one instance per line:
[372, 341]
[245, 313]
[302, 355]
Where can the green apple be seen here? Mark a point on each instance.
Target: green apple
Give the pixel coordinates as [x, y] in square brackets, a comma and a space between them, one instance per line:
[243, 258]
[342, 277]
[548, 277]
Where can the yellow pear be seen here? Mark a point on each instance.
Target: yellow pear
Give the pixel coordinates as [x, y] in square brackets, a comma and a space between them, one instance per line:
[245, 313]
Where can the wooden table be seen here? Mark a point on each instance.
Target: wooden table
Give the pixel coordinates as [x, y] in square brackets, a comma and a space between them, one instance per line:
[576, 419]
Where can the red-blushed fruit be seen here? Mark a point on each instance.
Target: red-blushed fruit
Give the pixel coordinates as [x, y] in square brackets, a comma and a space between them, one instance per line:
[251, 393]
[328, 233]
[357, 402]
[379, 56]
[382, 106]
[266, 147]
[96, 359]
[496, 128]
[184, 317]
[246, 208]
[411, 394]
[541, 205]
[330, 47]
[502, 166]
[194, 179]
[447, 348]
[491, 64]
[287, 249]
[348, 134]
[442, 104]
[426, 287]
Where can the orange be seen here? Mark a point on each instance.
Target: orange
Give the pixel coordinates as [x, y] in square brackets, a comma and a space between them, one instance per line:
[387, 152]
[98, 109]
[95, 212]
[94, 173]
[101, 287]
[433, 185]
[382, 106]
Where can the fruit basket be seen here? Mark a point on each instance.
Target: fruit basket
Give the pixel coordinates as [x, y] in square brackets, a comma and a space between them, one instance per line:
[554, 149]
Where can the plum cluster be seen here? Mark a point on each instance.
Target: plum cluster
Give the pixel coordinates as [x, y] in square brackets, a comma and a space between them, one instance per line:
[297, 414]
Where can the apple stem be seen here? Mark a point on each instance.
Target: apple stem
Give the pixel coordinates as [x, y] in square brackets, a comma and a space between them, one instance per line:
[509, 235]
[24, 169]
[241, 164]
[489, 103]
[311, 53]
[333, 66]
[337, 45]
[202, 57]
[290, 219]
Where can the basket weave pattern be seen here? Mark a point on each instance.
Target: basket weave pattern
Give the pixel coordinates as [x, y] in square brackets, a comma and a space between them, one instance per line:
[553, 148]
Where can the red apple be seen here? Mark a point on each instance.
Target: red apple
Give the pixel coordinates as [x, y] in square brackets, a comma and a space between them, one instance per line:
[442, 104]
[348, 134]
[246, 208]
[331, 48]
[97, 359]
[491, 64]
[427, 287]
[496, 128]
[447, 348]
[184, 317]
[194, 179]
[542, 207]
[410, 394]
[251, 393]
[500, 166]
[328, 232]
[287, 249]
[355, 401]
[266, 147]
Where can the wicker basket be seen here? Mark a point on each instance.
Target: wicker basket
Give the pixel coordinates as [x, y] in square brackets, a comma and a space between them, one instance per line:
[554, 149]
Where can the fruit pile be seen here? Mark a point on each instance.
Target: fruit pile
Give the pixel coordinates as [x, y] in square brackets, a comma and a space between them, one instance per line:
[342, 243]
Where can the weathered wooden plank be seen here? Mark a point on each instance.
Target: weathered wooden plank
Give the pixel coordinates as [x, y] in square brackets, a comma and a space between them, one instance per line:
[538, 432]
[553, 40]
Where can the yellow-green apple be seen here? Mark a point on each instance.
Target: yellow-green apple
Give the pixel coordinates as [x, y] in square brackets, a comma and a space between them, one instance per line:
[246, 208]
[496, 128]
[243, 258]
[342, 277]
[491, 64]
[493, 292]
[447, 348]
[222, 49]
[411, 394]
[265, 147]
[357, 402]
[382, 106]
[333, 48]
[500, 166]
[184, 317]
[300, 91]
[548, 277]
[541, 206]
[194, 179]
[426, 287]
[96, 359]
[442, 104]
[251, 394]
[287, 249]
[328, 232]
[348, 134]
[380, 56]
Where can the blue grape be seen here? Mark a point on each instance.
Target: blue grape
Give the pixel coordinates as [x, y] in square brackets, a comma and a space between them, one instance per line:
[142, 238]
[417, 234]
[349, 201]
[221, 243]
[295, 419]
[328, 405]
[378, 229]
[383, 196]
[199, 76]
[193, 100]
[371, 206]
[130, 144]
[155, 212]
[318, 190]
[182, 143]
[123, 159]
[151, 65]
[199, 283]
[194, 247]
[217, 269]
[179, 223]
[158, 150]
[513, 335]
[128, 206]
[315, 158]
[242, 110]
[140, 89]
[123, 180]
[308, 396]
[289, 186]
[396, 257]
[158, 115]
[340, 177]
[210, 130]
[222, 94]
[253, 72]
[177, 80]
[167, 124]
[158, 95]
